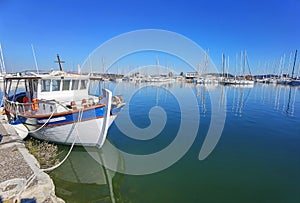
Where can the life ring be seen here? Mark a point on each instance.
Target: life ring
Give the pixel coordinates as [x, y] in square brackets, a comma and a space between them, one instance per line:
[35, 105]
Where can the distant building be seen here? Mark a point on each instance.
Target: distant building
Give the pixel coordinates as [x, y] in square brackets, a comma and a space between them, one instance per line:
[191, 75]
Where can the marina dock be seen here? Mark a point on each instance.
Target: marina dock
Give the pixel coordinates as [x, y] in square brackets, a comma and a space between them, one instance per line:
[20, 174]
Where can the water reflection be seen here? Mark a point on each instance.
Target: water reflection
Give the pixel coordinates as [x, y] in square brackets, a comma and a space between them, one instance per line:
[232, 98]
[249, 110]
[240, 97]
[281, 97]
[83, 179]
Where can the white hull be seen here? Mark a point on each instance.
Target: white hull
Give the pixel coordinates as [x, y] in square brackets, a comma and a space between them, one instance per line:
[86, 133]
[21, 130]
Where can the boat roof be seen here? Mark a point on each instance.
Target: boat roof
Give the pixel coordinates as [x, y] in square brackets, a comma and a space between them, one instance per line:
[16, 77]
[50, 75]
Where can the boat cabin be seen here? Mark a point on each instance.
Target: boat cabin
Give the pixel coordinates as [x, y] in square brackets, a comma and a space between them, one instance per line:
[45, 92]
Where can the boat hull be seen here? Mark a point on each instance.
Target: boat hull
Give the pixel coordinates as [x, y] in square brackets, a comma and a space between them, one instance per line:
[86, 133]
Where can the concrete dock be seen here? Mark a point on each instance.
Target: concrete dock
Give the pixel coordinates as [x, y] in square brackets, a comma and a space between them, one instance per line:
[20, 174]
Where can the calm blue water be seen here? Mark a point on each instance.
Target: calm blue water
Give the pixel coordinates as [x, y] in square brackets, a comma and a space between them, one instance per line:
[256, 158]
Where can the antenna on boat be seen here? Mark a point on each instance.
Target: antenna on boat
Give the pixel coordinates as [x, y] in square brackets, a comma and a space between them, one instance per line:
[35, 62]
[3, 70]
[59, 62]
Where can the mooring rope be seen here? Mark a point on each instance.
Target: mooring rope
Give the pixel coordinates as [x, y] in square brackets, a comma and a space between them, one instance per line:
[35, 174]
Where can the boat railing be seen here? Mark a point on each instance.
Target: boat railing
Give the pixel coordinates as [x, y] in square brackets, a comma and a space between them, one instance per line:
[33, 108]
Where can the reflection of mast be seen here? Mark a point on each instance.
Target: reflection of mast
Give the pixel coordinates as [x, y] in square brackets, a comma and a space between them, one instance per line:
[277, 98]
[204, 100]
[222, 98]
[201, 94]
[289, 100]
[242, 102]
[293, 104]
[108, 178]
[233, 100]
[284, 100]
[238, 103]
[156, 96]
[262, 97]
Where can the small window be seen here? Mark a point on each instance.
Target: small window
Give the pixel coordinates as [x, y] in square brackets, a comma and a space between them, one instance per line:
[45, 85]
[35, 84]
[83, 84]
[75, 84]
[56, 85]
[66, 84]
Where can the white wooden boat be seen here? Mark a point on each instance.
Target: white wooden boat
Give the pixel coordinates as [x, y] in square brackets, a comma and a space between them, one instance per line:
[58, 107]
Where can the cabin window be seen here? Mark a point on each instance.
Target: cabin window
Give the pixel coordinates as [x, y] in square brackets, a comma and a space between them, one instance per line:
[66, 84]
[75, 84]
[56, 85]
[83, 84]
[34, 85]
[45, 85]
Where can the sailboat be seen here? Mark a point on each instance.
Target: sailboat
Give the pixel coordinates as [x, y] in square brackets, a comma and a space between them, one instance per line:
[246, 80]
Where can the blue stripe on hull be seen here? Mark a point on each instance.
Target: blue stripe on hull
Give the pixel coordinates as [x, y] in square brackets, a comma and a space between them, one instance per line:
[68, 118]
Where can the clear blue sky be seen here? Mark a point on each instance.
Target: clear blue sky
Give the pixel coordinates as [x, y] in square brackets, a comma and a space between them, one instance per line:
[266, 29]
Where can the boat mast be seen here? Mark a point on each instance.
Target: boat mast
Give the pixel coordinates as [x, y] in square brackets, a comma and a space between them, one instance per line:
[236, 63]
[227, 69]
[241, 64]
[295, 58]
[35, 62]
[157, 65]
[103, 65]
[3, 70]
[59, 62]
[223, 65]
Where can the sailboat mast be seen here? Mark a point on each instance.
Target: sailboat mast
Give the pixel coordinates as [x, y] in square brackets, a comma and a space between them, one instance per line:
[236, 62]
[227, 70]
[244, 71]
[35, 62]
[3, 70]
[241, 64]
[223, 64]
[157, 65]
[295, 58]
